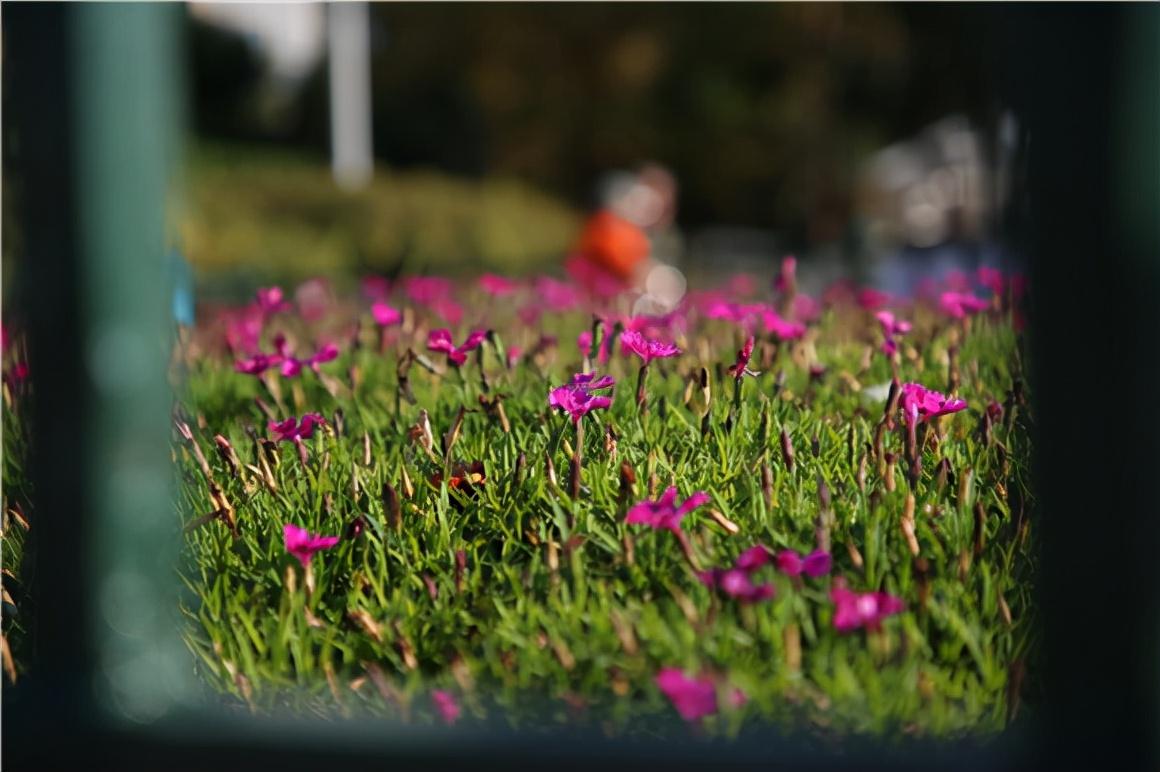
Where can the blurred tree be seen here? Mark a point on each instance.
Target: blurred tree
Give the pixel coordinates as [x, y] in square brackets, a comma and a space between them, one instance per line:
[762, 110]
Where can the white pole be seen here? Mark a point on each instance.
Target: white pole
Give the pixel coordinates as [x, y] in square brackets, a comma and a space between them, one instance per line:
[352, 159]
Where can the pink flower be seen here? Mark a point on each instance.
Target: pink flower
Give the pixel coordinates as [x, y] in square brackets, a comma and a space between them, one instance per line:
[741, 285]
[853, 610]
[786, 281]
[447, 309]
[243, 330]
[959, 304]
[693, 698]
[753, 558]
[740, 368]
[513, 355]
[891, 327]
[291, 430]
[991, 278]
[557, 295]
[737, 584]
[302, 544]
[314, 299]
[780, 327]
[957, 281]
[805, 308]
[497, 286]
[270, 301]
[645, 348]
[292, 366]
[258, 364]
[385, 315]
[530, 314]
[872, 299]
[815, 564]
[577, 399]
[440, 340]
[446, 705]
[919, 403]
[649, 325]
[375, 287]
[599, 281]
[591, 383]
[426, 289]
[664, 512]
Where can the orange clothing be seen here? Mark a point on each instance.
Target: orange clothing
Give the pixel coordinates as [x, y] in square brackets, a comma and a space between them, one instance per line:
[613, 243]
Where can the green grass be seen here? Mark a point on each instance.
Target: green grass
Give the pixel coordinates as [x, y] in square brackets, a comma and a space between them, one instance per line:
[550, 609]
[285, 214]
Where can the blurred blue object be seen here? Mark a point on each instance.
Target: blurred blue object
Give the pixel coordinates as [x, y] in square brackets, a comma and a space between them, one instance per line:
[181, 280]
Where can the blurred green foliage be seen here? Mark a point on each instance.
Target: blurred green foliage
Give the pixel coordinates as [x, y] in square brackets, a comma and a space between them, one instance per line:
[763, 111]
[277, 216]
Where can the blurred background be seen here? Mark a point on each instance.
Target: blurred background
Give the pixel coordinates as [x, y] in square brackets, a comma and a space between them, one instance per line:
[869, 140]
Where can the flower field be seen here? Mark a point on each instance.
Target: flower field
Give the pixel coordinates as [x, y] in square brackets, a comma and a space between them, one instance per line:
[514, 500]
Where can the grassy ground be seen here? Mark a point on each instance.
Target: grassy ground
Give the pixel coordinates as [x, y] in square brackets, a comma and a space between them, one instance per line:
[518, 594]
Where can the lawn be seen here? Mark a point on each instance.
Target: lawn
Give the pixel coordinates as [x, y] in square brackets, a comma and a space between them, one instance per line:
[852, 557]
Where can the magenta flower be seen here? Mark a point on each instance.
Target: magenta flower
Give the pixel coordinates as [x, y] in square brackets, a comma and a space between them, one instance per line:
[867, 609]
[513, 356]
[786, 280]
[291, 430]
[577, 399]
[648, 350]
[891, 327]
[447, 309]
[270, 300]
[753, 558]
[740, 368]
[557, 295]
[258, 364]
[292, 366]
[446, 705]
[782, 329]
[815, 564]
[314, 299]
[584, 343]
[957, 281]
[919, 403]
[741, 285]
[872, 299]
[440, 340]
[959, 304]
[530, 314]
[737, 584]
[805, 308]
[385, 315]
[664, 512]
[649, 325]
[591, 383]
[302, 544]
[243, 330]
[991, 278]
[426, 289]
[497, 286]
[693, 698]
[375, 287]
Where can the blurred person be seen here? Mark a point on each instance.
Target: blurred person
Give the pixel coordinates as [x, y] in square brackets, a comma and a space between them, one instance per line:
[630, 241]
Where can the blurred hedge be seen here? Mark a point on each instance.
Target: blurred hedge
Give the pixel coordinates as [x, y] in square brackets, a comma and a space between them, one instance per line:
[256, 214]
